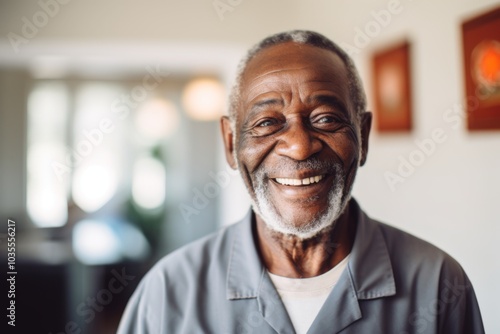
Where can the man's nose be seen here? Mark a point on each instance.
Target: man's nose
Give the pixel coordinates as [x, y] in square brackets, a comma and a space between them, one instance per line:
[298, 141]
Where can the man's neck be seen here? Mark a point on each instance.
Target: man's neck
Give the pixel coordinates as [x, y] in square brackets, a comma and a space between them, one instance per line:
[290, 256]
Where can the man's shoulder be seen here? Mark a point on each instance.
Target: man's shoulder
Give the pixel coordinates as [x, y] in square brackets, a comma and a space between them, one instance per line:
[408, 250]
[180, 281]
[199, 254]
[402, 240]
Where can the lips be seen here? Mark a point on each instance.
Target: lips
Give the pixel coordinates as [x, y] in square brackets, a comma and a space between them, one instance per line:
[299, 182]
[300, 190]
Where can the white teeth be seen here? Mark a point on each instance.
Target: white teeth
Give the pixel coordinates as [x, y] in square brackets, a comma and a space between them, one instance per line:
[299, 182]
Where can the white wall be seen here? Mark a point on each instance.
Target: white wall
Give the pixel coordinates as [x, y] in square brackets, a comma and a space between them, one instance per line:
[152, 20]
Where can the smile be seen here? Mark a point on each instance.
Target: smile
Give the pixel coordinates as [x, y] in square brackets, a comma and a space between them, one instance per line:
[299, 182]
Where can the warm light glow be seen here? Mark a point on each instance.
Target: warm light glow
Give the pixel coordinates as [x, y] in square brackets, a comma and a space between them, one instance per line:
[391, 85]
[486, 58]
[157, 119]
[94, 186]
[204, 99]
[148, 183]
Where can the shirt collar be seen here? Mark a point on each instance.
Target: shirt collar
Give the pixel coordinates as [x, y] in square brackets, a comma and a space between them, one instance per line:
[245, 268]
[370, 268]
[370, 265]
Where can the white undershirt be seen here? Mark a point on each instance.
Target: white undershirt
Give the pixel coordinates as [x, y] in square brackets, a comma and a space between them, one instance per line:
[304, 297]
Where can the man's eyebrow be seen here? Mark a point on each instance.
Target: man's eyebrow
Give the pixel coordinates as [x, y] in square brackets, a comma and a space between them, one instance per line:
[259, 105]
[329, 100]
[267, 102]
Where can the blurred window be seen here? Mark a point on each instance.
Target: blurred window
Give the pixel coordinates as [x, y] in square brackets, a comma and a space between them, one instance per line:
[47, 125]
[74, 146]
[97, 146]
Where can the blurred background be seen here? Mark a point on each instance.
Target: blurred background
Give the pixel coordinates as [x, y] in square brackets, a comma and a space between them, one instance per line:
[111, 157]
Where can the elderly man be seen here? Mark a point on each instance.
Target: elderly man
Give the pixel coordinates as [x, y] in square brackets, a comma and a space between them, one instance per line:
[306, 258]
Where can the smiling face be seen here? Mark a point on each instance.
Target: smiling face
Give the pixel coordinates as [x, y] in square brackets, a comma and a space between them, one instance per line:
[298, 141]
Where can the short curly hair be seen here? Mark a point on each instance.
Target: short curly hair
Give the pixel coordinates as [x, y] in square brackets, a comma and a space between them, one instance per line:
[301, 37]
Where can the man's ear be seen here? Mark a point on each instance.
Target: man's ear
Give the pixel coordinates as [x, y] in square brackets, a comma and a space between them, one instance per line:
[366, 124]
[227, 137]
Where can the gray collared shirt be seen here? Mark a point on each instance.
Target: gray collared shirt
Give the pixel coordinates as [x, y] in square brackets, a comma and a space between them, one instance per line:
[394, 283]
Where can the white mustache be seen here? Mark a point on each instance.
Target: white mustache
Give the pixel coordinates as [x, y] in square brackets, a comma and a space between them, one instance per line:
[288, 167]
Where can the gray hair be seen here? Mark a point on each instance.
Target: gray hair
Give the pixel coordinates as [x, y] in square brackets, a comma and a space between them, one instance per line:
[301, 37]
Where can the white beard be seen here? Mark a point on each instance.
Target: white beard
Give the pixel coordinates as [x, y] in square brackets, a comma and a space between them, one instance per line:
[324, 220]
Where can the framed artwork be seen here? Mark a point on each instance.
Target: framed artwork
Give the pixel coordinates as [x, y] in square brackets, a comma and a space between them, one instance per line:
[392, 89]
[481, 48]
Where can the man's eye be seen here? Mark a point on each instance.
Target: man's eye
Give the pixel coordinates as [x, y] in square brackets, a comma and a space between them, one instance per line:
[266, 127]
[266, 122]
[328, 122]
[326, 119]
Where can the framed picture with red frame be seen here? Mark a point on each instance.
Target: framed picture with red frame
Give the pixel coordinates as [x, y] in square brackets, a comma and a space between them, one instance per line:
[481, 54]
[392, 89]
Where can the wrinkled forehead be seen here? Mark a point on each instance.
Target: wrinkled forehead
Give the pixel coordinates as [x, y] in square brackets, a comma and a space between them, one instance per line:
[291, 63]
[289, 53]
